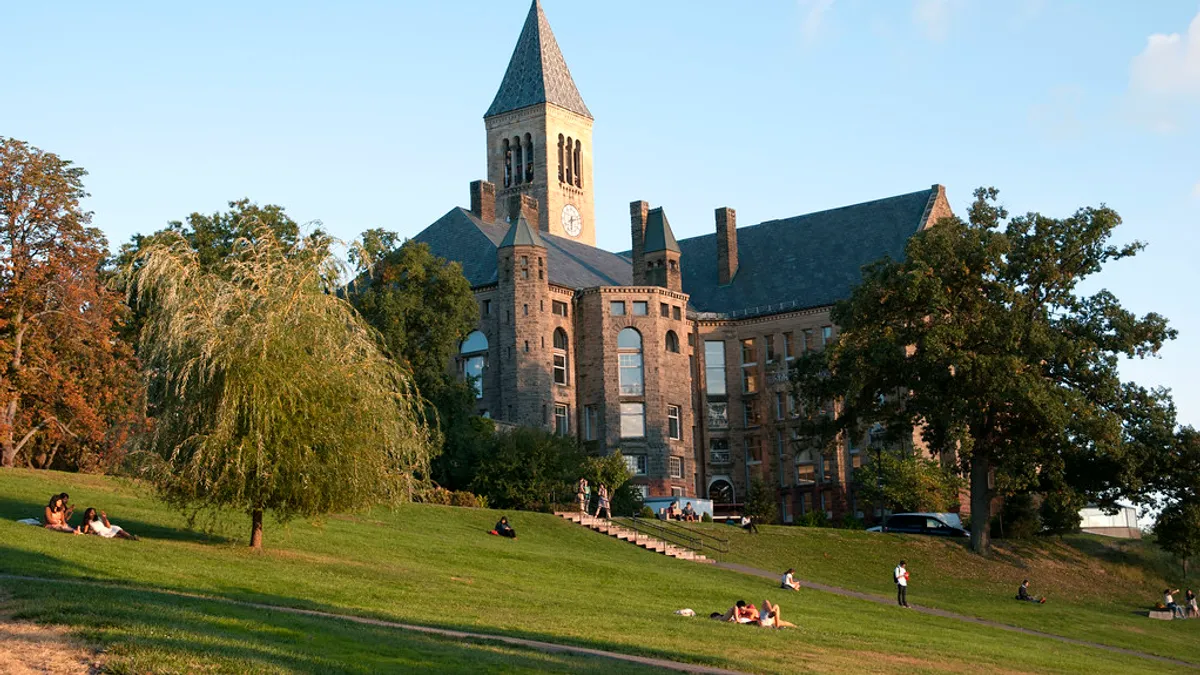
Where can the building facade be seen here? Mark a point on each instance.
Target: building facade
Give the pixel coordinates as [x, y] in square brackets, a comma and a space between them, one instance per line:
[675, 352]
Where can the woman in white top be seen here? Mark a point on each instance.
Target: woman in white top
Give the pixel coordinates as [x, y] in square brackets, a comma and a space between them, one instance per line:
[99, 525]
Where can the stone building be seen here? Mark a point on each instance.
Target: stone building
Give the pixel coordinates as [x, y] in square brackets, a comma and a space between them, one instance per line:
[675, 352]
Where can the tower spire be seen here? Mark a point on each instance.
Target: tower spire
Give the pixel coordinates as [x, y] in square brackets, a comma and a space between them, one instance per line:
[537, 71]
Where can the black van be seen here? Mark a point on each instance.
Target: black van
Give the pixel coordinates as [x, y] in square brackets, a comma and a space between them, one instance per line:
[933, 524]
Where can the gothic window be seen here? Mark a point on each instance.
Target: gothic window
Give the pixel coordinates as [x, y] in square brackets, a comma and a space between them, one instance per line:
[578, 174]
[672, 342]
[474, 351]
[507, 164]
[520, 170]
[561, 168]
[721, 492]
[629, 348]
[570, 179]
[528, 158]
[560, 357]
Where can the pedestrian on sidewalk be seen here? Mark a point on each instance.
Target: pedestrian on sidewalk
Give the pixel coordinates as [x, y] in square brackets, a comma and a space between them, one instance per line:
[900, 576]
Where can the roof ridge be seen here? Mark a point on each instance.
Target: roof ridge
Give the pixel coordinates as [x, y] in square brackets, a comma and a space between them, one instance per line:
[537, 72]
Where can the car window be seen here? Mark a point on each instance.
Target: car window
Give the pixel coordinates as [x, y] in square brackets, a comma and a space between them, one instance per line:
[934, 524]
[907, 522]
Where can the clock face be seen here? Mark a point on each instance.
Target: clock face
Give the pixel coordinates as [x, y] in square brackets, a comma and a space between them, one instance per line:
[572, 222]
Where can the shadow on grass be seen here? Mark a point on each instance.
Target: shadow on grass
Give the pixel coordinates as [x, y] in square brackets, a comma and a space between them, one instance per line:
[17, 509]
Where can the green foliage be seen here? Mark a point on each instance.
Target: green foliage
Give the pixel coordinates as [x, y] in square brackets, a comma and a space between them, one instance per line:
[613, 472]
[852, 522]
[443, 497]
[815, 518]
[646, 512]
[1177, 530]
[902, 482]
[1020, 517]
[272, 393]
[1006, 367]
[760, 503]
[1060, 511]
[466, 436]
[705, 518]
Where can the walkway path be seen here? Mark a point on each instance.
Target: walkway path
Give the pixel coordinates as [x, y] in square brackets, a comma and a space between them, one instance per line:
[753, 571]
[548, 647]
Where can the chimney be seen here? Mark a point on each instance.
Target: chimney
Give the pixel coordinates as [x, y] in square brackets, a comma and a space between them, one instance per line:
[727, 259]
[523, 205]
[637, 232]
[483, 200]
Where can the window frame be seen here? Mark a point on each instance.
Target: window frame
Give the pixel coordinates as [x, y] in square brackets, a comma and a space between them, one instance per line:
[627, 413]
[616, 308]
[675, 422]
[562, 419]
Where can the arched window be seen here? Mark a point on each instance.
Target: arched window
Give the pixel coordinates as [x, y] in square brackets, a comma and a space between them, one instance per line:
[578, 173]
[507, 164]
[629, 353]
[561, 141]
[528, 158]
[570, 180]
[520, 168]
[561, 373]
[672, 342]
[474, 351]
[720, 491]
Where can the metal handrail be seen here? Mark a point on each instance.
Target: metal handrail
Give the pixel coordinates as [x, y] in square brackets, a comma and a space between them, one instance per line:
[652, 529]
[721, 546]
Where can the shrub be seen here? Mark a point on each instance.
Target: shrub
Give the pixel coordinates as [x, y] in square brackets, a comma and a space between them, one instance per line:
[468, 500]
[813, 519]
[705, 518]
[760, 503]
[852, 522]
[646, 512]
[1019, 519]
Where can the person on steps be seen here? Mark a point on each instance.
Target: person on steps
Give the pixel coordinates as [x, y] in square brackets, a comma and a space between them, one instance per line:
[504, 529]
[604, 505]
[98, 525]
[1023, 594]
[900, 575]
[58, 514]
[583, 494]
[788, 581]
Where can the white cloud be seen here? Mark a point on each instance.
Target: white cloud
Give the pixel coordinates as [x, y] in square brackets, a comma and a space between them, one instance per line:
[933, 18]
[1165, 78]
[814, 16]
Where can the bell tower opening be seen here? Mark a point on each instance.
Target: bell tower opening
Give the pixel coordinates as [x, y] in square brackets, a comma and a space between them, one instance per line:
[539, 134]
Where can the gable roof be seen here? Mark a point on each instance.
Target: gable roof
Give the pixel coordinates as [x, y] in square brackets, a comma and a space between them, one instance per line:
[659, 236]
[521, 234]
[537, 72]
[461, 237]
[805, 261]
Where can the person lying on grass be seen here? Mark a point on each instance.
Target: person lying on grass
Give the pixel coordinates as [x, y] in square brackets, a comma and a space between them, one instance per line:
[58, 513]
[770, 617]
[98, 525]
[1023, 594]
[749, 614]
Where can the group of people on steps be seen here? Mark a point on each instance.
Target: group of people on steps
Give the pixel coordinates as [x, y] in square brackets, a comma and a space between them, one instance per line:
[583, 493]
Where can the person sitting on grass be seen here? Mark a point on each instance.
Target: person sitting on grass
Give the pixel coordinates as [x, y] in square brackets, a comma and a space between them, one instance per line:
[748, 525]
[58, 513]
[1023, 594]
[1193, 611]
[504, 529]
[788, 581]
[770, 617]
[99, 526]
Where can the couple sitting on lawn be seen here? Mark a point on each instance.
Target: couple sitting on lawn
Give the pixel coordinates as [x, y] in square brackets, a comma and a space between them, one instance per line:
[58, 515]
[743, 613]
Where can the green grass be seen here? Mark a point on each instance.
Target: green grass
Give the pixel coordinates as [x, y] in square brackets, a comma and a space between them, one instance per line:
[1098, 588]
[436, 566]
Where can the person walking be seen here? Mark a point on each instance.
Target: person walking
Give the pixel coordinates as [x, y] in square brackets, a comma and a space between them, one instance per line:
[583, 494]
[900, 575]
[604, 505]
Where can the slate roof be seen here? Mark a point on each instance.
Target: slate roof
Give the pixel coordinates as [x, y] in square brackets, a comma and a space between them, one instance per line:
[462, 237]
[521, 234]
[659, 236]
[806, 261]
[537, 72]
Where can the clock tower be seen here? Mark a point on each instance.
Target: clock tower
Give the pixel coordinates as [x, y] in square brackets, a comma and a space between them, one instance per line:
[539, 136]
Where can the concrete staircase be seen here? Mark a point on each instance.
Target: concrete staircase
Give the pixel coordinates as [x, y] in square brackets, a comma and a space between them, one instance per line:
[605, 526]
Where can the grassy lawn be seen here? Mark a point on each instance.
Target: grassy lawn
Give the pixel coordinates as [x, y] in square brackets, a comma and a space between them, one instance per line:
[1097, 588]
[436, 566]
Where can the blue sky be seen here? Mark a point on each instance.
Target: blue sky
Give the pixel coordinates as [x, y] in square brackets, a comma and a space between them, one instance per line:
[368, 114]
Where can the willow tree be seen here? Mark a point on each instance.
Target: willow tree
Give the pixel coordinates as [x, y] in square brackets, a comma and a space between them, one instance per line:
[271, 393]
[982, 340]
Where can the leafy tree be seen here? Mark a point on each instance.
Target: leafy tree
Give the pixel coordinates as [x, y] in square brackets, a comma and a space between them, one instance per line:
[981, 340]
[612, 472]
[760, 503]
[901, 481]
[272, 392]
[1060, 511]
[528, 468]
[1177, 530]
[69, 386]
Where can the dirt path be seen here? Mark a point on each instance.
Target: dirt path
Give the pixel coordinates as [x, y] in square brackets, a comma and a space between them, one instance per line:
[753, 571]
[29, 649]
[548, 647]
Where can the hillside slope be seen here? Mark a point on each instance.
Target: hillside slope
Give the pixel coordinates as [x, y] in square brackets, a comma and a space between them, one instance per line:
[436, 566]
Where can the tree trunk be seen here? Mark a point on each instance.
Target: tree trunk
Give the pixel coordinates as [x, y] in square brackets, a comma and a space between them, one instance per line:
[256, 529]
[981, 505]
